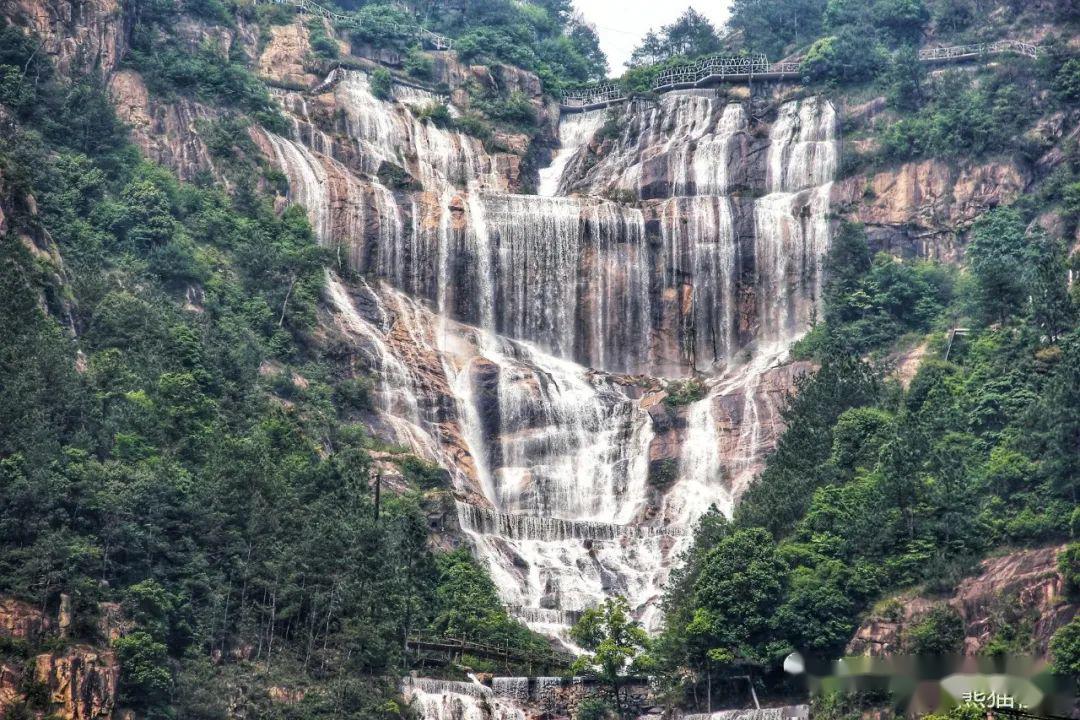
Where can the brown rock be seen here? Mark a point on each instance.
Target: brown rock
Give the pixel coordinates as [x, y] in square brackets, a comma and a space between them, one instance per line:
[81, 681]
[83, 37]
[282, 59]
[167, 133]
[924, 208]
[22, 621]
[1022, 583]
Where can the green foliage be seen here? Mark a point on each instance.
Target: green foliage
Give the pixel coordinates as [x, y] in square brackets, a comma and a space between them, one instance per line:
[1068, 563]
[209, 72]
[775, 26]
[736, 595]
[467, 605]
[322, 44]
[663, 473]
[594, 708]
[849, 56]
[684, 392]
[995, 257]
[381, 83]
[146, 679]
[617, 645]
[1067, 81]
[423, 474]
[871, 302]
[546, 38]
[963, 119]
[1065, 649]
[690, 36]
[941, 632]
[384, 26]
[419, 64]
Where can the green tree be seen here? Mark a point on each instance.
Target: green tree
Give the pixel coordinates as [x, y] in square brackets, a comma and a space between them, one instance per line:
[995, 259]
[737, 592]
[691, 35]
[145, 679]
[617, 645]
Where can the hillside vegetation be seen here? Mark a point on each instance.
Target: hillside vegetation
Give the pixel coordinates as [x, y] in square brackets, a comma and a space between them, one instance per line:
[180, 435]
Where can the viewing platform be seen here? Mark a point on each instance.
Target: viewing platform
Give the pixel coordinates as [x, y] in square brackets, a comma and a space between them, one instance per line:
[747, 68]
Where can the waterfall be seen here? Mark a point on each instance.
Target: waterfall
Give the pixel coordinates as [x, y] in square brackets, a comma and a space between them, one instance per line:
[699, 243]
[450, 700]
[523, 341]
[575, 132]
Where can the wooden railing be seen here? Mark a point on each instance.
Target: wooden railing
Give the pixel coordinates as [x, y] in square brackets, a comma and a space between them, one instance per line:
[457, 646]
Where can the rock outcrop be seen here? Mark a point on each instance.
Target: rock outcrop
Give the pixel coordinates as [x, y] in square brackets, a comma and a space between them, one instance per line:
[79, 680]
[166, 132]
[85, 37]
[924, 208]
[1023, 587]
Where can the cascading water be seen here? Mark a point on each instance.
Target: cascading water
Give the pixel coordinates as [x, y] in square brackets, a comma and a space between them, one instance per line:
[502, 325]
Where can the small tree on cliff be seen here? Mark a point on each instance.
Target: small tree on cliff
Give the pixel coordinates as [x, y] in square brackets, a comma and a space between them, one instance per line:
[619, 645]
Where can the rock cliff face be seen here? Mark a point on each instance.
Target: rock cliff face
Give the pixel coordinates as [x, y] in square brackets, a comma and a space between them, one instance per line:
[1022, 590]
[79, 680]
[924, 209]
[88, 36]
[166, 132]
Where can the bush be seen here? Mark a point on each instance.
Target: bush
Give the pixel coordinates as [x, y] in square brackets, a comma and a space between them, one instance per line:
[381, 83]
[146, 679]
[323, 45]
[594, 708]
[419, 64]
[663, 473]
[684, 392]
[436, 113]
[423, 474]
[941, 632]
[1067, 81]
[847, 57]
[1065, 647]
[1069, 566]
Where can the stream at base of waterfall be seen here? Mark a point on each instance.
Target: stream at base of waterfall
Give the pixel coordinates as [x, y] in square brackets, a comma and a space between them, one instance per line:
[526, 342]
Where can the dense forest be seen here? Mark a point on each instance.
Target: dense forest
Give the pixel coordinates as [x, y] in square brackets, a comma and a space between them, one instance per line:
[199, 457]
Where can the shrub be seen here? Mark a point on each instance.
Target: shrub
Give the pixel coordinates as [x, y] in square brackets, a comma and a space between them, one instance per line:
[684, 392]
[422, 473]
[941, 632]
[847, 57]
[594, 708]
[436, 113]
[381, 83]
[419, 64]
[1069, 566]
[1065, 647]
[663, 473]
